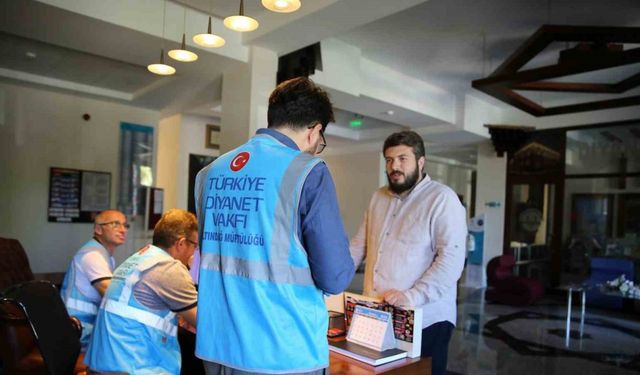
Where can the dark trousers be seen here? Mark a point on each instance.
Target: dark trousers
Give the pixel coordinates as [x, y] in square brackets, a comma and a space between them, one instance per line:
[191, 365]
[435, 344]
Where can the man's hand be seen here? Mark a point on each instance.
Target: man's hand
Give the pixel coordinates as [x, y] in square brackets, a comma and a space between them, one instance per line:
[395, 298]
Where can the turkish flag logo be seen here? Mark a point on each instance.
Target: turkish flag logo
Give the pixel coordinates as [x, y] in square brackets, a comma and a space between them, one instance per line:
[239, 161]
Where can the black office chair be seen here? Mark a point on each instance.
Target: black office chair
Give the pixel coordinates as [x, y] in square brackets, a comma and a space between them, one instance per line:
[56, 334]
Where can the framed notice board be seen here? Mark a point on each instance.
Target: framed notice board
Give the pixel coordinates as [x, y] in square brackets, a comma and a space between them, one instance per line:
[76, 196]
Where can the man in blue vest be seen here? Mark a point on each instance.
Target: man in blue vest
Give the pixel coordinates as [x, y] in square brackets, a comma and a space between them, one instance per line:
[91, 268]
[136, 328]
[272, 243]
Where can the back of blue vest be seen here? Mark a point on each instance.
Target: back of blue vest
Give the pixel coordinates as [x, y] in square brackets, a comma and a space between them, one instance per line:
[130, 337]
[258, 308]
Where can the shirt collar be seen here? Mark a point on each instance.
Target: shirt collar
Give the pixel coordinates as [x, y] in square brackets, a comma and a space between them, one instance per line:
[279, 137]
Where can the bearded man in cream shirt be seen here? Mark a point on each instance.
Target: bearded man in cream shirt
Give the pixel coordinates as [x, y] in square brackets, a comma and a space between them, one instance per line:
[413, 238]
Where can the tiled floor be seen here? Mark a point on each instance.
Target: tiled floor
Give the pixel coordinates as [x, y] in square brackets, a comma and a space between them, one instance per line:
[497, 339]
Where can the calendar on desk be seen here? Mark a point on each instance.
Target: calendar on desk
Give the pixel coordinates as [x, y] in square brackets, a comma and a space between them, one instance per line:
[370, 338]
[406, 322]
[371, 328]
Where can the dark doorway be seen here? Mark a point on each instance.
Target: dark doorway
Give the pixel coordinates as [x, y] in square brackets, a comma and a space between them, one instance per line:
[196, 163]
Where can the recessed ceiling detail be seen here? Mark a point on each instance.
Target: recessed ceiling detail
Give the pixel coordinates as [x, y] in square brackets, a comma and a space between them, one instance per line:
[597, 48]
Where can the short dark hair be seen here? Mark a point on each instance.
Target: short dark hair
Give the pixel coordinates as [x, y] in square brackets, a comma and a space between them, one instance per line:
[406, 138]
[173, 225]
[297, 104]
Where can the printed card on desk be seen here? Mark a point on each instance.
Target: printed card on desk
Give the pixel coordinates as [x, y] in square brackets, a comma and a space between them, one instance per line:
[407, 321]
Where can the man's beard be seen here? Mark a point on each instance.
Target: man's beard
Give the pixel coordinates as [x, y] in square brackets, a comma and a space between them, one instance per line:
[409, 182]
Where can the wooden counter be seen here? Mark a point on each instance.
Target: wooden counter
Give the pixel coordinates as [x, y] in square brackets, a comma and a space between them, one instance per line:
[340, 364]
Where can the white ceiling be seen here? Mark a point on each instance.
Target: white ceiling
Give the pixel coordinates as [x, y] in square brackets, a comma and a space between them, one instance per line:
[446, 43]
[449, 43]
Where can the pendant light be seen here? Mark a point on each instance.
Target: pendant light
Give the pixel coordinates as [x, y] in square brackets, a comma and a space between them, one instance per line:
[209, 39]
[161, 68]
[241, 22]
[182, 54]
[281, 6]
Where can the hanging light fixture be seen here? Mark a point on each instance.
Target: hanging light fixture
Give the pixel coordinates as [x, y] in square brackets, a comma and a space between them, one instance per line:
[281, 6]
[241, 22]
[182, 54]
[209, 40]
[161, 68]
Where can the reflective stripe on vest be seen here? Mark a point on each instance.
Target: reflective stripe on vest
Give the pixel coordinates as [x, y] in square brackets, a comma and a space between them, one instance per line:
[275, 273]
[151, 320]
[131, 280]
[83, 306]
[285, 212]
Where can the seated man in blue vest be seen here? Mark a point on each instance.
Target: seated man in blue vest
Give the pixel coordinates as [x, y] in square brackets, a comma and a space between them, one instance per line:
[272, 243]
[91, 268]
[135, 331]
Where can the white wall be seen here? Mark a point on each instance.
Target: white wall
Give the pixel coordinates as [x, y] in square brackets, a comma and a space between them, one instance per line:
[356, 177]
[179, 136]
[192, 141]
[490, 199]
[168, 150]
[478, 113]
[45, 129]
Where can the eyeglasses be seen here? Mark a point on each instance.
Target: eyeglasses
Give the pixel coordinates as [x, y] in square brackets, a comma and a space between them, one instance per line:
[191, 242]
[116, 224]
[322, 144]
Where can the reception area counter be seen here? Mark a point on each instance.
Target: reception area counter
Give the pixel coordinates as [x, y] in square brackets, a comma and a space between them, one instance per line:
[340, 364]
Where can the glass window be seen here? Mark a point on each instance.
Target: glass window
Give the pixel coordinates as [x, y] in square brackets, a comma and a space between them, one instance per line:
[612, 149]
[601, 219]
[136, 166]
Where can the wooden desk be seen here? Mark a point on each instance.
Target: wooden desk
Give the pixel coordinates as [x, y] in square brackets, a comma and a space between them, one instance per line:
[340, 364]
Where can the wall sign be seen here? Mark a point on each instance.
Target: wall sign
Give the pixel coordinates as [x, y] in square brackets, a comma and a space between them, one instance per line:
[76, 196]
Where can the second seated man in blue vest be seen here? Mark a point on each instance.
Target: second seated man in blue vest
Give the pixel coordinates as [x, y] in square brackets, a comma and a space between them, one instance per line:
[136, 327]
[91, 269]
[272, 242]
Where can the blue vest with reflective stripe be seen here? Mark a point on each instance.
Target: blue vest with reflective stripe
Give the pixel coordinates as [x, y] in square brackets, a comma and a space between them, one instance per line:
[79, 305]
[259, 309]
[129, 337]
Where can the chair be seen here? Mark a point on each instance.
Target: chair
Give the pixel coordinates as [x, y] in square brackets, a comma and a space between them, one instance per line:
[38, 336]
[505, 288]
[605, 269]
[14, 264]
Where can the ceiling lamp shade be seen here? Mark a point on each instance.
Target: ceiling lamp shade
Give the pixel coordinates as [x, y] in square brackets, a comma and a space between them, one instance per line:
[209, 40]
[281, 6]
[161, 68]
[182, 54]
[241, 22]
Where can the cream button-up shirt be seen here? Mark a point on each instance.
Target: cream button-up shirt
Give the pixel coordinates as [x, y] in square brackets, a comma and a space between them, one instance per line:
[414, 244]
